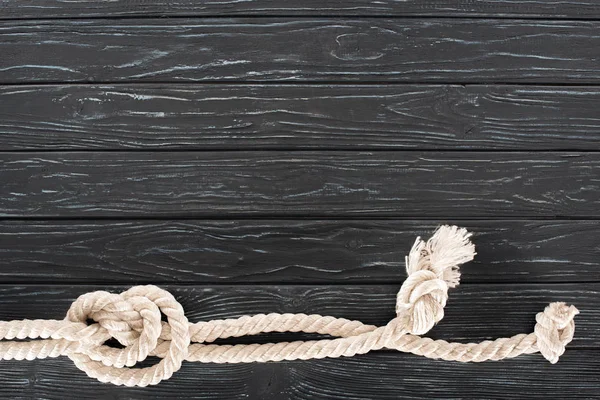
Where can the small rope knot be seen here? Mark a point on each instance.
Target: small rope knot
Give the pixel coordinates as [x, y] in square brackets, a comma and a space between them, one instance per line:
[133, 318]
[555, 329]
[432, 267]
[421, 299]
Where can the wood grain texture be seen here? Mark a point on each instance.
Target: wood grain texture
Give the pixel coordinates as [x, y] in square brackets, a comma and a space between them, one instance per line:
[473, 312]
[217, 117]
[291, 251]
[581, 9]
[377, 376]
[306, 184]
[341, 50]
[282, 157]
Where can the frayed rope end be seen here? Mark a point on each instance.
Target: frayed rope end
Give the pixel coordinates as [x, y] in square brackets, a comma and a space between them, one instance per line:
[443, 253]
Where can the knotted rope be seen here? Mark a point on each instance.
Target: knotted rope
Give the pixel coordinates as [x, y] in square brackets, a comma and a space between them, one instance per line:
[134, 319]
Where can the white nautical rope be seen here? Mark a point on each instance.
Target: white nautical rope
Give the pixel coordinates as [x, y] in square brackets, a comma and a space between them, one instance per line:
[134, 319]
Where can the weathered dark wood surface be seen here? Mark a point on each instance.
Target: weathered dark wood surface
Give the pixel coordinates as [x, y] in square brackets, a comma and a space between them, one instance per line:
[372, 376]
[307, 184]
[291, 251]
[579, 9]
[229, 117]
[272, 156]
[287, 49]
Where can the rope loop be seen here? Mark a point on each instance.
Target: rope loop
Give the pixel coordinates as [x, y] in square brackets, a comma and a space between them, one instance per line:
[134, 321]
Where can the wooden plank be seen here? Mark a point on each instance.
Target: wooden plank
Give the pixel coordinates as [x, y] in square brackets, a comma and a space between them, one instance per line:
[473, 312]
[263, 251]
[375, 376]
[67, 117]
[580, 9]
[341, 50]
[305, 184]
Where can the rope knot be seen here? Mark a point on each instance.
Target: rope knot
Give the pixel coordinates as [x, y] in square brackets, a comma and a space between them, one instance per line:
[555, 329]
[421, 299]
[133, 318]
[432, 267]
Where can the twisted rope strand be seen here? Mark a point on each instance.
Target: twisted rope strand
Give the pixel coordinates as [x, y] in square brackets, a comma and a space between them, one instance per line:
[134, 319]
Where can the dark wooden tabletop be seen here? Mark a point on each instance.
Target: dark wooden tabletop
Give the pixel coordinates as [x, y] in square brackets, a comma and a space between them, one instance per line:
[278, 156]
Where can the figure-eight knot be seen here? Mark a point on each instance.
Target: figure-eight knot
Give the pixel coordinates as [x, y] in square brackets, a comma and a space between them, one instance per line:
[134, 319]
